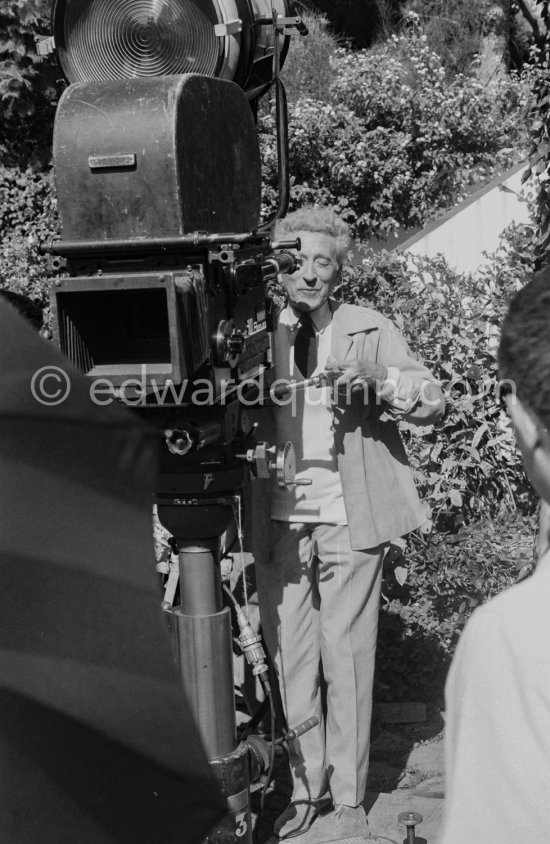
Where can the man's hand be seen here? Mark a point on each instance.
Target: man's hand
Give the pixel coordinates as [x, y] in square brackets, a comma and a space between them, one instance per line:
[357, 372]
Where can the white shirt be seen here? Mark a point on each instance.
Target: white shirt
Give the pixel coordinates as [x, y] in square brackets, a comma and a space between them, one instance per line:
[307, 421]
[498, 721]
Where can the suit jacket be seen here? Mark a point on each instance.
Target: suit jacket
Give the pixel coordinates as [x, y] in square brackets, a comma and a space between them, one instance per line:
[379, 493]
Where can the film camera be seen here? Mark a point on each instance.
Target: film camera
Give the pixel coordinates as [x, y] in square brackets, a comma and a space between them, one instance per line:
[162, 301]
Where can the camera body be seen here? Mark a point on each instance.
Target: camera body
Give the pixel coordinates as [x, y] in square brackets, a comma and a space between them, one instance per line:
[163, 300]
[148, 183]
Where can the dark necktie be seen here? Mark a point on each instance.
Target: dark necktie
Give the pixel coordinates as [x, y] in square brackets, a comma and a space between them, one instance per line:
[305, 347]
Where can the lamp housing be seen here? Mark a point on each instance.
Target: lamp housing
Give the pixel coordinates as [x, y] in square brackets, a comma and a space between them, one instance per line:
[101, 40]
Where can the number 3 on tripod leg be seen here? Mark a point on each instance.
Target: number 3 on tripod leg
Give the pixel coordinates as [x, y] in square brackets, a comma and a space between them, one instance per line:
[241, 825]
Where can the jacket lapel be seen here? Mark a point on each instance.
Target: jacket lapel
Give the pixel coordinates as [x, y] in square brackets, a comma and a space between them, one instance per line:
[351, 330]
[342, 341]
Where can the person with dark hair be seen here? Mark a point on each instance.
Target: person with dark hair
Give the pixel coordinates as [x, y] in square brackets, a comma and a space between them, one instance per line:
[319, 577]
[97, 741]
[498, 689]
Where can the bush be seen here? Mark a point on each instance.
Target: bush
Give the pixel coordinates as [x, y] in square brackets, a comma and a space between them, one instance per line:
[431, 589]
[308, 70]
[29, 85]
[467, 468]
[28, 221]
[454, 29]
[539, 154]
[394, 140]
[358, 21]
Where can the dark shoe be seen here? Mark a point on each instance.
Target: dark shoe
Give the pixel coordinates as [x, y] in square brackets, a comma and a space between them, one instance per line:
[298, 817]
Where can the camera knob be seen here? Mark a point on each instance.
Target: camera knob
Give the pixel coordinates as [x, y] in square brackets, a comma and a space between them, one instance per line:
[235, 346]
[228, 344]
[284, 465]
[179, 441]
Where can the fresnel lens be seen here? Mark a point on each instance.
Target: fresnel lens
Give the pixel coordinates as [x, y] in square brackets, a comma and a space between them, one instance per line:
[98, 40]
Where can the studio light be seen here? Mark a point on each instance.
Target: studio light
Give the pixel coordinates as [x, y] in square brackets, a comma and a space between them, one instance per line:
[100, 40]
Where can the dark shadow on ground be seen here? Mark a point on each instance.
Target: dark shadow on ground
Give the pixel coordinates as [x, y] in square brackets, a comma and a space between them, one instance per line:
[411, 667]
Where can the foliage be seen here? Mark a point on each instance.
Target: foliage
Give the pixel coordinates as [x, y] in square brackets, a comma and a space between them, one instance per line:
[28, 220]
[540, 135]
[447, 577]
[29, 86]
[308, 65]
[456, 29]
[468, 467]
[360, 22]
[453, 28]
[395, 140]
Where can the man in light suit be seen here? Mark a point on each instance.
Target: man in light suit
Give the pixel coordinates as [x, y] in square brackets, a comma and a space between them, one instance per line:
[319, 581]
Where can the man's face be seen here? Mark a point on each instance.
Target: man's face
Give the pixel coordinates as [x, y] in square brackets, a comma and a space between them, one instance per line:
[534, 444]
[310, 286]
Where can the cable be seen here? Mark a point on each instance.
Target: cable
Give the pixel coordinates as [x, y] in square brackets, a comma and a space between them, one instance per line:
[271, 767]
[271, 754]
[238, 513]
[231, 597]
[227, 551]
[255, 720]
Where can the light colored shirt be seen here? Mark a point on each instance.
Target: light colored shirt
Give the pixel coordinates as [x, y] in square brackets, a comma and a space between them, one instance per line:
[307, 421]
[498, 721]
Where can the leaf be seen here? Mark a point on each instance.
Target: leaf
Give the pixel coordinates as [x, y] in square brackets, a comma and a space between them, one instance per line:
[400, 574]
[484, 428]
[455, 498]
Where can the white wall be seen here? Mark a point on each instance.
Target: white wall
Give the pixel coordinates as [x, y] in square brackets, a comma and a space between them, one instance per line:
[474, 227]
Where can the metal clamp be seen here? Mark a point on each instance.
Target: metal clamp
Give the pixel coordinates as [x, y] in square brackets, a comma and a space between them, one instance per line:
[288, 25]
[224, 255]
[45, 45]
[282, 461]
[222, 30]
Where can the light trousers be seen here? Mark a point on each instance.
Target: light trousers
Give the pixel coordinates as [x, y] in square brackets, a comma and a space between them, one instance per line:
[319, 603]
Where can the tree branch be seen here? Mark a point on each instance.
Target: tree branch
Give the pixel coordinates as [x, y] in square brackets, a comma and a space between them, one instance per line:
[531, 19]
